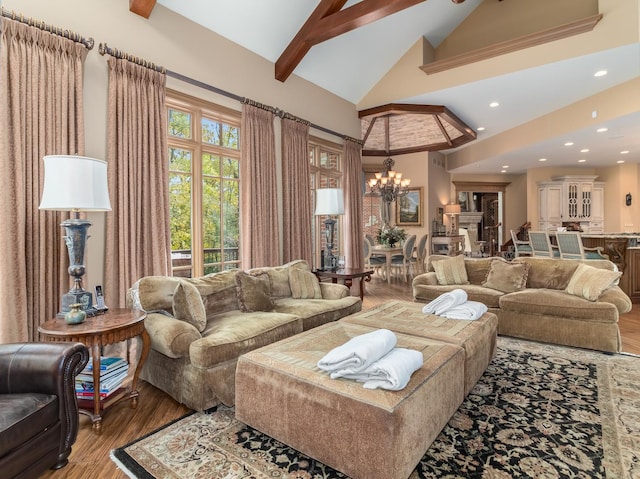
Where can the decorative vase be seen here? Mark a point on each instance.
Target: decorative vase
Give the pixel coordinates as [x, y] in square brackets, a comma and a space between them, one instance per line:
[75, 315]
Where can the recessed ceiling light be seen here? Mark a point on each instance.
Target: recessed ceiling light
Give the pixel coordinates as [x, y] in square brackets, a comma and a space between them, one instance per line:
[569, 143]
[624, 152]
[620, 161]
[602, 130]
[503, 171]
[582, 160]
[506, 166]
[494, 104]
[481, 128]
[542, 159]
[584, 150]
[600, 73]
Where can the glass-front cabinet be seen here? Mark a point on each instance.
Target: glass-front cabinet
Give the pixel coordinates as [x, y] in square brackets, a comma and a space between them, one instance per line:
[571, 199]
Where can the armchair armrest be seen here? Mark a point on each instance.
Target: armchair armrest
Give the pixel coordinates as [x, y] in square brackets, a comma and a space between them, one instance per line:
[333, 290]
[429, 278]
[170, 336]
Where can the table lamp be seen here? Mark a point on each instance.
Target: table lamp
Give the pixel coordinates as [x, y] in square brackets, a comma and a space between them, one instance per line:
[452, 211]
[75, 183]
[329, 202]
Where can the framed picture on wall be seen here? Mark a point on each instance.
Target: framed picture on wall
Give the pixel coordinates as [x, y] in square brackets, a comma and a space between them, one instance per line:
[409, 208]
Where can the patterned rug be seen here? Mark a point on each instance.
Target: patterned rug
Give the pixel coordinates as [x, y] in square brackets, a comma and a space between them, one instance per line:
[539, 411]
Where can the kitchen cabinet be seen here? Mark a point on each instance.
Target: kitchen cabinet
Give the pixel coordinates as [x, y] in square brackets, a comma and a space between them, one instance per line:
[571, 199]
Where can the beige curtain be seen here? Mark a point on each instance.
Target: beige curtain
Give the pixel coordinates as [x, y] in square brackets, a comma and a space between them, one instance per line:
[296, 191]
[258, 189]
[41, 113]
[138, 239]
[353, 204]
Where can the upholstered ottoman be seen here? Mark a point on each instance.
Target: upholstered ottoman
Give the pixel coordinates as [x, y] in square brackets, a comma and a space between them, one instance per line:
[477, 338]
[363, 433]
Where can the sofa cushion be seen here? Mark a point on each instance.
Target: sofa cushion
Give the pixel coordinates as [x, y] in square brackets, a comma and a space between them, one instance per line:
[154, 293]
[506, 277]
[254, 292]
[487, 296]
[304, 284]
[478, 268]
[315, 312]
[188, 306]
[218, 291]
[451, 271]
[589, 283]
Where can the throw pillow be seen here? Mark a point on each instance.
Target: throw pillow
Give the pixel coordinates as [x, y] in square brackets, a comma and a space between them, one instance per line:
[506, 277]
[254, 292]
[304, 284]
[589, 282]
[451, 271]
[188, 306]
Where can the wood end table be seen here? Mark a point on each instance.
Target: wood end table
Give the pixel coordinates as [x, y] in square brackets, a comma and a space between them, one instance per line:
[347, 275]
[114, 326]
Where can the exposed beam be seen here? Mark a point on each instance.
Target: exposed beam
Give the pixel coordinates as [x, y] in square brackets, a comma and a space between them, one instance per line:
[142, 7]
[327, 21]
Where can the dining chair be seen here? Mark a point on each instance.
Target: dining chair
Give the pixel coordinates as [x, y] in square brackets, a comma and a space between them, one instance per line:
[471, 243]
[571, 247]
[403, 261]
[523, 248]
[376, 262]
[541, 245]
[420, 255]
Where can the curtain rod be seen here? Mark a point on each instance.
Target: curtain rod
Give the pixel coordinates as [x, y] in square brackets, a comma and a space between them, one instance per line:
[76, 37]
[276, 111]
[104, 49]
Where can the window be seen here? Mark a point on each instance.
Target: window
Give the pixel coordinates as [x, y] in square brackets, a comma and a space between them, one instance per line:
[326, 172]
[204, 186]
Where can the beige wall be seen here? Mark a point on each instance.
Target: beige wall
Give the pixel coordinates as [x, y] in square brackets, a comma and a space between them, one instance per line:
[184, 47]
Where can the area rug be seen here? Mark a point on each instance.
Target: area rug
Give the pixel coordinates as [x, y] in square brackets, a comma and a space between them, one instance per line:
[539, 411]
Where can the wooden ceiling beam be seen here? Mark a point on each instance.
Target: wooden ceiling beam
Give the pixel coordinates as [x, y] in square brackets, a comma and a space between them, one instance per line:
[327, 21]
[142, 7]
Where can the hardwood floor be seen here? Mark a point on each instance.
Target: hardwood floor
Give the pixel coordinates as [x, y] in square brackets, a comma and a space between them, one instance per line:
[121, 425]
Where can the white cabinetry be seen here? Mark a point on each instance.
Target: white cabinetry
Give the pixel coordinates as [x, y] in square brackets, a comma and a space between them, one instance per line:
[571, 199]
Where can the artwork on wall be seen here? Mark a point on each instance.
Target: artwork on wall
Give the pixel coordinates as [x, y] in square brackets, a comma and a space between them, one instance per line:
[409, 208]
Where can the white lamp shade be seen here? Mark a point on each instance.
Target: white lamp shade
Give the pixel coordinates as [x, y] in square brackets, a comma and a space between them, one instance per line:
[329, 201]
[452, 209]
[75, 183]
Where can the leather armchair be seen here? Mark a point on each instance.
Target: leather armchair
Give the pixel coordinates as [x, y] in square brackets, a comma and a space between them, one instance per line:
[38, 407]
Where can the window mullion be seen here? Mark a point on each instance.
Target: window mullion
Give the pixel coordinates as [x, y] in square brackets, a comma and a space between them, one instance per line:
[196, 208]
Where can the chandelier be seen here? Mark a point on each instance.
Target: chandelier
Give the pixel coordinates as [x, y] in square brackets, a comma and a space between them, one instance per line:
[389, 185]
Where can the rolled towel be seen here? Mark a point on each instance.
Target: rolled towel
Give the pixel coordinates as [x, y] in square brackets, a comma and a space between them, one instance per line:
[445, 301]
[358, 353]
[392, 371]
[470, 310]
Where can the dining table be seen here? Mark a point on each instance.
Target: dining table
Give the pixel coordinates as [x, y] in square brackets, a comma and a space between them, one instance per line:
[388, 251]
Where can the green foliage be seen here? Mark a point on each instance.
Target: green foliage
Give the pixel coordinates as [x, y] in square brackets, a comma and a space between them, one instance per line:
[391, 236]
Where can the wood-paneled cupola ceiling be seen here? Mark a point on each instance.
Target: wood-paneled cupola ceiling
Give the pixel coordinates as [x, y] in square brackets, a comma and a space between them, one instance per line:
[397, 129]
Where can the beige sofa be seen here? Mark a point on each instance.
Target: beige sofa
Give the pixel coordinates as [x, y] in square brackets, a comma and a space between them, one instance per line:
[542, 299]
[200, 326]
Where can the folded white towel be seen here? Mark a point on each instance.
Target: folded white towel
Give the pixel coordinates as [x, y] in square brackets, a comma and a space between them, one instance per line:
[445, 301]
[392, 371]
[470, 310]
[358, 353]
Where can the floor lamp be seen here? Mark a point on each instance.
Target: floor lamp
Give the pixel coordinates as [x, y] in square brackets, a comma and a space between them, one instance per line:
[329, 202]
[75, 184]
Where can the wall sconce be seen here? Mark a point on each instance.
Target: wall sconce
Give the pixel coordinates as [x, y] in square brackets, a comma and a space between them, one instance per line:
[628, 199]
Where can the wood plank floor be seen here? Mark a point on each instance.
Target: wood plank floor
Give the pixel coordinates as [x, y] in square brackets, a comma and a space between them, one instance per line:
[121, 425]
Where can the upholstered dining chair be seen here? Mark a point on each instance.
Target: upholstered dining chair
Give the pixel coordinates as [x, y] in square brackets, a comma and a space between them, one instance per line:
[403, 261]
[541, 245]
[571, 247]
[523, 248]
[376, 262]
[420, 255]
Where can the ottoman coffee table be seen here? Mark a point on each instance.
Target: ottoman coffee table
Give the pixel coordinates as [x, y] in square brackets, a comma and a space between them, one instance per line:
[478, 338]
[363, 433]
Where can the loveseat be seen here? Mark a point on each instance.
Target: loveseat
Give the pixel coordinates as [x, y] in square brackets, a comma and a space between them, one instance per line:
[200, 326]
[568, 302]
[38, 408]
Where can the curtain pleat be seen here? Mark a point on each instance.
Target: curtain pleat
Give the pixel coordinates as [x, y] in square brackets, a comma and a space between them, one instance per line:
[258, 190]
[296, 191]
[41, 113]
[138, 241]
[353, 204]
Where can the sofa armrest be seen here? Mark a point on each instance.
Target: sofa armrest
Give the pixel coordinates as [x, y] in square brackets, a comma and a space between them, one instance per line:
[618, 298]
[170, 336]
[333, 290]
[429, 278]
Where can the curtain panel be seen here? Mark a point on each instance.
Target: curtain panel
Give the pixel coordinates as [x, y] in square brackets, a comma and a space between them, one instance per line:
[259, 232]
[138, 238]
[41, 112]
[296, 191]
[353, 235]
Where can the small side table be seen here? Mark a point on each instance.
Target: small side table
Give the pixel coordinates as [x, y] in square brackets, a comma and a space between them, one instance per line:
[347, 275]
[95, 332]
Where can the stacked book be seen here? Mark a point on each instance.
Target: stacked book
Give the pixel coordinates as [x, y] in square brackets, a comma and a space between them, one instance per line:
[113, 372]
